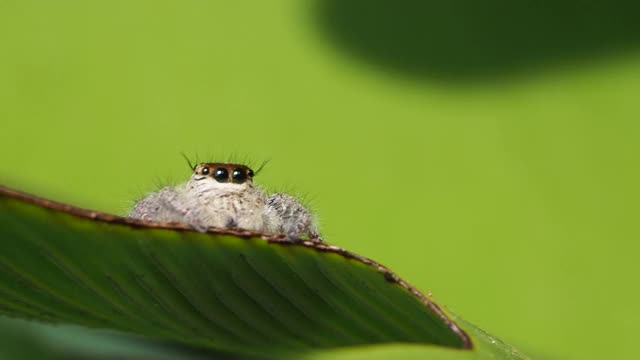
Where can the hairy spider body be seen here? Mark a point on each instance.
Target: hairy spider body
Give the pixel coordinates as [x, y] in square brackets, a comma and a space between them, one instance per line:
[223, 195]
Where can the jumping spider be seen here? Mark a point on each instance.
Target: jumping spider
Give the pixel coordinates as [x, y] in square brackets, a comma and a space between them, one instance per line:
[223, 195]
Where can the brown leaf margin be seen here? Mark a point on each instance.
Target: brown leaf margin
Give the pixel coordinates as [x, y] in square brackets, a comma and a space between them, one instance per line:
[278, 239]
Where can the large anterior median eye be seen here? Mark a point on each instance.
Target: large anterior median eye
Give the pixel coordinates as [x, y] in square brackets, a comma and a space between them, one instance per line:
[221, 175]
[239, 176]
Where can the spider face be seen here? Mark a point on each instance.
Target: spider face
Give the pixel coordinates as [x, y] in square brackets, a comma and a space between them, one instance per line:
[224, 172]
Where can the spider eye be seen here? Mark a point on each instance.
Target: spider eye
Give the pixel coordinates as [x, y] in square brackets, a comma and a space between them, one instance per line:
[205, 171]
[221, 175]
[239, 176]
[250, 173]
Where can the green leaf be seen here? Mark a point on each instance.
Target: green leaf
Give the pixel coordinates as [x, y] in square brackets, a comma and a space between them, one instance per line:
[229, 290]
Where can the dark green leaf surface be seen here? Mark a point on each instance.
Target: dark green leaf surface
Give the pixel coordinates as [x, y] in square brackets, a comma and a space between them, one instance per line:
[235, 291]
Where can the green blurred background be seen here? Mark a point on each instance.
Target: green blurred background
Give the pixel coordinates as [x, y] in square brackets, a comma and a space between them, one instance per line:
[488, 153]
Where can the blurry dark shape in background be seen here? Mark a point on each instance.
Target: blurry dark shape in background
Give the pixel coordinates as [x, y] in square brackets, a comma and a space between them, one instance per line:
[469, 39]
